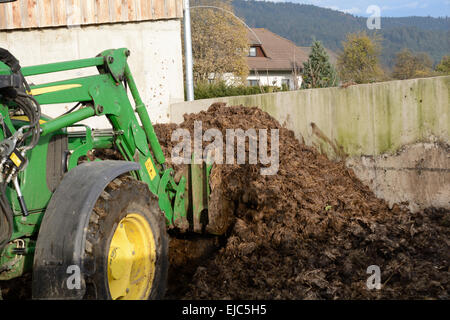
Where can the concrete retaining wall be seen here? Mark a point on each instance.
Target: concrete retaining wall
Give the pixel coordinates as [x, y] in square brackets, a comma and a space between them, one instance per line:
[395, 134]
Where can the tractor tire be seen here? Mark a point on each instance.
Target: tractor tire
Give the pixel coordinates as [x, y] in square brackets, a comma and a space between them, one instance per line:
[126, 245]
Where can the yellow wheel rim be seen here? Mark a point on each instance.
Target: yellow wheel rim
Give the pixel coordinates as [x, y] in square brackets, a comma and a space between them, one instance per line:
[131, 259]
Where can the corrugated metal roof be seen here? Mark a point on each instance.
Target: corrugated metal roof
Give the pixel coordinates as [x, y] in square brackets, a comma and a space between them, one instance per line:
[24, 14]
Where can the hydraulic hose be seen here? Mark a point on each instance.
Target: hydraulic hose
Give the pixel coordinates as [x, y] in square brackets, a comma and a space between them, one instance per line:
[9, 60]
[6, 219]
[32, 110]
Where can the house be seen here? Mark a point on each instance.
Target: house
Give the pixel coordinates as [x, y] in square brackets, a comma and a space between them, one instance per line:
[43, 31]
[274, 60]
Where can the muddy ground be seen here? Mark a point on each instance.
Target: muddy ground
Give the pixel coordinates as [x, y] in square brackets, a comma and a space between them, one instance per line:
[308, 232]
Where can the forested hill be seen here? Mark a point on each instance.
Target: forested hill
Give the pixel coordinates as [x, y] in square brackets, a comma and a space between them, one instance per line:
[301, 23]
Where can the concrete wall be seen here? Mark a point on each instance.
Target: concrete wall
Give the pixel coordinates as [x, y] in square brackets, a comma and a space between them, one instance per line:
[417, 175]
[156, 58]
[395, 134]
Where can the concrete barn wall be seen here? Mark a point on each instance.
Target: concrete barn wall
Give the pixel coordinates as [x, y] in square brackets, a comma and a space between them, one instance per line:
[156, 58]
[395, 135]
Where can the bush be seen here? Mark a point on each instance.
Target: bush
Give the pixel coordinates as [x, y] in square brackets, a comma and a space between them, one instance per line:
[205, 90]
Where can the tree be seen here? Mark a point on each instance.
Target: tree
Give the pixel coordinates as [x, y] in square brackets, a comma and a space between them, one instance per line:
[219, 41]
[359, 60]
[444, 66]
[299, 22]
[410, 65]
[318, 72]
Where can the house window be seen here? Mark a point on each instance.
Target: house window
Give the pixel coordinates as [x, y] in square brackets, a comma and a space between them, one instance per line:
[252, 52]
[286, 82]
[253, 83]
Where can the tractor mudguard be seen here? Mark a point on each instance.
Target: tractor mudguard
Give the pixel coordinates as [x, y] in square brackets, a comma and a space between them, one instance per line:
[58, 260]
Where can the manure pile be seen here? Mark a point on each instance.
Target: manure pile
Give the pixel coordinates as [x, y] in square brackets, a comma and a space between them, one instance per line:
[308, 232]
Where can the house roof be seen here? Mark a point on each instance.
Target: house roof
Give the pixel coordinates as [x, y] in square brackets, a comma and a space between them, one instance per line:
[282, 54]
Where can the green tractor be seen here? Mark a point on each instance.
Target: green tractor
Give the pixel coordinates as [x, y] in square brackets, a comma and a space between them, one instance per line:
[88, 228]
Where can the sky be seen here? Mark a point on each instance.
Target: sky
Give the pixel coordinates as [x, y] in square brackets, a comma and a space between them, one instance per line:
[389, 8]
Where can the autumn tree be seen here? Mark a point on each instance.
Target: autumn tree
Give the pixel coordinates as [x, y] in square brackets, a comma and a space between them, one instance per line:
[359, 60]
[318, 72]
[219, 41]
[444, 66]
[409, 65]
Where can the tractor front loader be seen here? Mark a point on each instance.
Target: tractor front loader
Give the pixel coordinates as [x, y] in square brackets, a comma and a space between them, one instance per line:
[87, 228]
